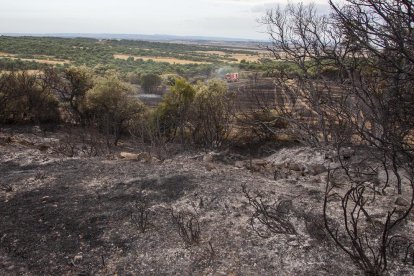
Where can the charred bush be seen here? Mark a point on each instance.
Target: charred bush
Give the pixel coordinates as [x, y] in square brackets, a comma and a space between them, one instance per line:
[274, 218]
[188, 227]
[367, 242]
[141, 215]
[81, 142]
[401, 249]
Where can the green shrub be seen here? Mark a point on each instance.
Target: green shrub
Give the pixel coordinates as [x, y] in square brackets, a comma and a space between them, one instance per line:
[212, 113]
[71, 86]
[150, 82]
[112, 105]
[173, 113]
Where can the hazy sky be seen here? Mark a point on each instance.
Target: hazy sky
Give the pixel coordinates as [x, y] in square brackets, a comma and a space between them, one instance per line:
[220, 18]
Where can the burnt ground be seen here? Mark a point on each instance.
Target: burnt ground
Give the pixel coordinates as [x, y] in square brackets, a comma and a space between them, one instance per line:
[78, 215]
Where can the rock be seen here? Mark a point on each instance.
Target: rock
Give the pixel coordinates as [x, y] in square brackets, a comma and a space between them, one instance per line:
[259, 162]
[377, 216]
[295, 167]
[269, 168]
[8, 140]
[210, 166]
[36, 129]
[339, 179]
[279, 174]
[316, 169]
[43, 147]
[255, 168]
[346, 153]
[128, 156]
[239, 164]
[208, 158]
[77, 258]
[143, 156]
[388, 191]
[294, 243]
[400, 201]
[155, 160]
[330, 155]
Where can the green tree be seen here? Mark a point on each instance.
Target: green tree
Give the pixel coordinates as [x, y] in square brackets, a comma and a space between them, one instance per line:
[173, 113]
[71, 86]
[134, 77]
[113, 105]
[25, 98]
[150, 82]
[212, 113]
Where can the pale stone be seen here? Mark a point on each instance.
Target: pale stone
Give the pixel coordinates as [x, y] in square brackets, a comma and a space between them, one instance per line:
[259, 162]
[316, 169]
[239, 164]
[400, 201]
[128, 156]
[208, 158]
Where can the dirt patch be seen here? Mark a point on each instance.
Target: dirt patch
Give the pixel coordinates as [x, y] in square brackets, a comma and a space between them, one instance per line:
[44, 61]
[3, 54]
[41, 59]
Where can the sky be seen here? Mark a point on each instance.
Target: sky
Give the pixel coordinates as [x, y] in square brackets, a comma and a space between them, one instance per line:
[216, 18]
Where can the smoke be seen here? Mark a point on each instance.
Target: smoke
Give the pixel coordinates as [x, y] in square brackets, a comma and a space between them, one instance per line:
[224, 70]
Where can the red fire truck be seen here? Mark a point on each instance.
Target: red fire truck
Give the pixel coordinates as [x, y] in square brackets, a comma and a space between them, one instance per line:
[232, 77]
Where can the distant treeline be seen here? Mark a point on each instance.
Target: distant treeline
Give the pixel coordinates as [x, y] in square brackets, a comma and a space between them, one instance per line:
[94, 52]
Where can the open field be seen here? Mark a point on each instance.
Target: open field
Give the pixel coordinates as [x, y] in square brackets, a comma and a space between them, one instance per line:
[2, 54]
[30, 72]
[220, 53]
[248, 58]
[238, 56]
[170, 60]
[41, 59]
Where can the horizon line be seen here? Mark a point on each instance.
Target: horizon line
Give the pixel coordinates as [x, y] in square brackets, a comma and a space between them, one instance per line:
[166, 36]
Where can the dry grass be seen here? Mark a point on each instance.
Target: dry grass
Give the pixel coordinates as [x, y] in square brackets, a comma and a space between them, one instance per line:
[220, 53]
[249, 58]
[41, 59]
[3, 54]
[44, 61]
[30, 72]
[170, 60]
[239, 57]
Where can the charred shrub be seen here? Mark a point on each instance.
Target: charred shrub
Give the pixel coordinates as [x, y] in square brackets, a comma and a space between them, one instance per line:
[274, 218]
[25, 98]
[141, 215]
[188, 227]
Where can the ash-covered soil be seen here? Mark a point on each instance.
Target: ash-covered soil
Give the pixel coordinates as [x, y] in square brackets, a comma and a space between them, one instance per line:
[79, 215]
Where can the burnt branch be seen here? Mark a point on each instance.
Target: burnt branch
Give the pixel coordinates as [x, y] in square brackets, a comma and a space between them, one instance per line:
[367, 243]
[141, 215]
[274, 218]
[188, 227]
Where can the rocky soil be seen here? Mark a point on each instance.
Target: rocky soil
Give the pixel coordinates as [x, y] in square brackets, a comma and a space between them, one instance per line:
[80, 215]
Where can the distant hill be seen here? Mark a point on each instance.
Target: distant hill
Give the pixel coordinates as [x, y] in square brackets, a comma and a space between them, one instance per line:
[155, 37]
